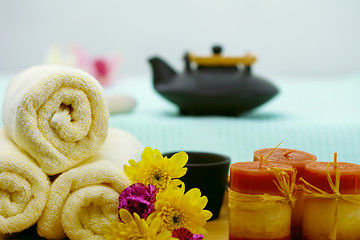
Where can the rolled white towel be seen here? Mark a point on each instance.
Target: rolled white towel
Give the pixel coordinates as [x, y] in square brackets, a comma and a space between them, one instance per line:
[57, 114]
[23, 188]
[85, 199]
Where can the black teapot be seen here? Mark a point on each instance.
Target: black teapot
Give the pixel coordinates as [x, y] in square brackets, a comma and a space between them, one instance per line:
[214, 85]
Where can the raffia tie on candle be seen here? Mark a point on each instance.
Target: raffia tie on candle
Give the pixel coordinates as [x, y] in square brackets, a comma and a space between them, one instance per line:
[249, 202]
[312, 191]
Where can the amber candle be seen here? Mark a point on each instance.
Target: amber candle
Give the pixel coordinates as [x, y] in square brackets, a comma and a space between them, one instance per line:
[258, 209]
[298, 160]
[331, 212]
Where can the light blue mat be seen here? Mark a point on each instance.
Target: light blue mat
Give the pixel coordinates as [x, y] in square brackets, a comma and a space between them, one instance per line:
[320, 116]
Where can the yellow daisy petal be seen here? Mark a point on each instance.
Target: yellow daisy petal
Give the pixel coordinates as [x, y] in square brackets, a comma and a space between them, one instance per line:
[202, 202]
[207, 214]
[132, 162]
[165, 236]
[155, 169]
[177, 182]
[179, 159]
[193, 193]
[177, 209]
[147, 155]
[125, 216]
[127, 169]
[135, 228]
[155, 223]
[137, 222]
[157, 153]
[179, 173]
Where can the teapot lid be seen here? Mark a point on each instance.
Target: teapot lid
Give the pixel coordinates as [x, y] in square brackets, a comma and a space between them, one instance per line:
[218, 60]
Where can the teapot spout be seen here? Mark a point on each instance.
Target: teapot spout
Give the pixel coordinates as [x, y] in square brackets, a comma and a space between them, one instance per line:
[162, 72]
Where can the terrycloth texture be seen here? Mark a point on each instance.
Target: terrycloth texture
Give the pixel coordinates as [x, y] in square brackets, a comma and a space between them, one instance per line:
[84, 199]
[23, 188]
[56, 114]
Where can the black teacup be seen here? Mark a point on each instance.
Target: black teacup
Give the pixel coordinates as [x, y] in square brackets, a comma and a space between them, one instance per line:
[208, 172]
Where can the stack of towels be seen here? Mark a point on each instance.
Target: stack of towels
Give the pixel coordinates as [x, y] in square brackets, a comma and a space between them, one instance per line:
[60, 164]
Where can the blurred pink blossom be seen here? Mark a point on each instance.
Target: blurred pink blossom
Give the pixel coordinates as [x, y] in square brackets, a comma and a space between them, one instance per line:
[103, 68]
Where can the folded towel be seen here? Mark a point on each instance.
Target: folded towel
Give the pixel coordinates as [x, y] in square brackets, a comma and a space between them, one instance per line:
[85, 198]
[57, 114]
[23, 188]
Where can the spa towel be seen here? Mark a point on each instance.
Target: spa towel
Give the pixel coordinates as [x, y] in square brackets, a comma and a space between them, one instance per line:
[23, 188]
[57, 114]
[85, 198]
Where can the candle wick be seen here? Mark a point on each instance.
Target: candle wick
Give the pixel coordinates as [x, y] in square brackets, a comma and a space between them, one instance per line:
[271, 152]
[287, 153]
[261, 161]
[335, 158]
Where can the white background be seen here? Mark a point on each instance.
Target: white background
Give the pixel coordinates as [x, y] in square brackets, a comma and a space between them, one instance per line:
[300, 38]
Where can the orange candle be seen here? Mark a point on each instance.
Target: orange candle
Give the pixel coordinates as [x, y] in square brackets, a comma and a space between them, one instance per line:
[327, 215]
[258, 209]
[298, 160]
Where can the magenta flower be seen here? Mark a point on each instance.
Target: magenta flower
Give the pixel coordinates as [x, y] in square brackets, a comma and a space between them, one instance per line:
[185, 234]
[139, 198]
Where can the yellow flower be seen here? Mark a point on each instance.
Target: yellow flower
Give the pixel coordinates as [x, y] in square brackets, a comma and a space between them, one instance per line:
[157, 170]
[177, 209]
[134, 228]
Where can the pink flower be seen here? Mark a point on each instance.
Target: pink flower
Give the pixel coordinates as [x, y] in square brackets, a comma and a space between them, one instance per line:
[139, 198]
[103, 68]
[185, 234]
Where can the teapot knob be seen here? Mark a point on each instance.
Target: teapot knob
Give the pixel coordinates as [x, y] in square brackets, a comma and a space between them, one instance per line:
[217, 49]
[187, 62]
